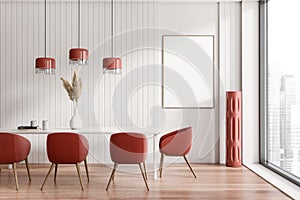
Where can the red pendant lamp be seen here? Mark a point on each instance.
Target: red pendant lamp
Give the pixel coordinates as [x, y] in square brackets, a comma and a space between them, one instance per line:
[45, 65]
[112, 64]
[78, 56]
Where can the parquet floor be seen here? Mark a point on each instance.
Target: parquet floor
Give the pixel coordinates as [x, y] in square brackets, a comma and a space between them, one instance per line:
[213, 182]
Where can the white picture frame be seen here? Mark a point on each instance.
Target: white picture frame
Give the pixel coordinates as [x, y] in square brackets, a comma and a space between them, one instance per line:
[187, 71]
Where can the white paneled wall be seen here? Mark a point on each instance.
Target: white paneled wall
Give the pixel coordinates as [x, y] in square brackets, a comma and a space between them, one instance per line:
[230, 44]
[130, 101]
[122, 101]
[26, 95]
[250, 84]
[230, 27]
[195, 19]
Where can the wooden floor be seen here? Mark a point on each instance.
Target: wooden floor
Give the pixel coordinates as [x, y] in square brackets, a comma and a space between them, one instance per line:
[213, 182]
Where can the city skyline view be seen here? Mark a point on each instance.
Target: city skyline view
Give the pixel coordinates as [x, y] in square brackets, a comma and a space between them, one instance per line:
[283, 120]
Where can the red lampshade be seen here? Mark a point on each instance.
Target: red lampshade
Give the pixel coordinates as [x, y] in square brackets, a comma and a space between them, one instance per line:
[112, 65]
[45, 65]
[78, 56]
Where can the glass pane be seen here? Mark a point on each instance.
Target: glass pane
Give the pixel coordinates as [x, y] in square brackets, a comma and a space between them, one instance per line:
[283, 137]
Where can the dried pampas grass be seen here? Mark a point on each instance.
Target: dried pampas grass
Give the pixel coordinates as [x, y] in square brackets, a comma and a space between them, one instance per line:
[74, 90]
[76, 85]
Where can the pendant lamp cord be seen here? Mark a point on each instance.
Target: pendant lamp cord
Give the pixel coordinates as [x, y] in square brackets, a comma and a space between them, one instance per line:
[78, 23]
[112, 28]
[45, 28]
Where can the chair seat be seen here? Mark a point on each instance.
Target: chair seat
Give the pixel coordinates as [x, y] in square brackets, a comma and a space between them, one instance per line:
[13, 149]
[128, 148]
[176, 143]
[67, 148]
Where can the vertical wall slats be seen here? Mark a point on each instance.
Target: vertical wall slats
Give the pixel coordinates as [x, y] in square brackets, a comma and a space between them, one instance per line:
[65, 26]
[8, 96]
[26, 96]
[19, 35]
[28, 11]
[13, 60]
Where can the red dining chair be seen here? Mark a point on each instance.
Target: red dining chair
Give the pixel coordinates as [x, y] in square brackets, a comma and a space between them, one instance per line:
[13, 149]
[67, 148]
[176, 143]
[128, 148]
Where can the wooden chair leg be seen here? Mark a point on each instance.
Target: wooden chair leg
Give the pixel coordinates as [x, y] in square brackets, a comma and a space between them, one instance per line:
[145, 170]
[27, 167]
[16, 175]
[187, 162]
[143, 176]
[112, 175]
[79, 175]
[55, 172]
[86, 170]
[52, 165]
[161, 164]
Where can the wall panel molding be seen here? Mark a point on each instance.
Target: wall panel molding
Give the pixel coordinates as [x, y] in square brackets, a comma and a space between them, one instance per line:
[230, 27]
[250, 83]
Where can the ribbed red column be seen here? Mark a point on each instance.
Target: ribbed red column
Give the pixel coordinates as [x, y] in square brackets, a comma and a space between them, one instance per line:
[233, 129]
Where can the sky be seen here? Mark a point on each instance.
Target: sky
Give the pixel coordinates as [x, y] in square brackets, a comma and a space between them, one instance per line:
[284, 35]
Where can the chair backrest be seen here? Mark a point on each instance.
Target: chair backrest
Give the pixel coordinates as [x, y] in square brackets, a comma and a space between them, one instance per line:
[176, 143]
[67, 148]
[128, 148]
[13, 148]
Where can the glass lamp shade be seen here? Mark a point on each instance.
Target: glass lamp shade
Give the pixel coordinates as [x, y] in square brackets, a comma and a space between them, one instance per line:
[112, 65]
[78, 56]
[45, 65]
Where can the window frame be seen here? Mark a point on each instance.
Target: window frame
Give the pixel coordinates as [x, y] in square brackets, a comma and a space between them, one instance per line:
[263, 95]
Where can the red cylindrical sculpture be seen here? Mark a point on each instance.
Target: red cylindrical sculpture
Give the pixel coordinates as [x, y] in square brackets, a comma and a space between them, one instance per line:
[233, 129]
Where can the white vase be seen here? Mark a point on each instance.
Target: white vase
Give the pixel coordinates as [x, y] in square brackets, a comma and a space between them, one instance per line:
[76, 121]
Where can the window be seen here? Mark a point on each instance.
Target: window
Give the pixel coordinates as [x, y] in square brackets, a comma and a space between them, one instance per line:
[280, 87]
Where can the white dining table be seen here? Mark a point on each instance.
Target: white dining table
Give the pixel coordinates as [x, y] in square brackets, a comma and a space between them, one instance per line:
[87, 131]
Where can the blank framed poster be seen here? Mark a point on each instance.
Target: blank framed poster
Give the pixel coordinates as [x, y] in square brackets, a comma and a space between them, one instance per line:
[187, 71]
